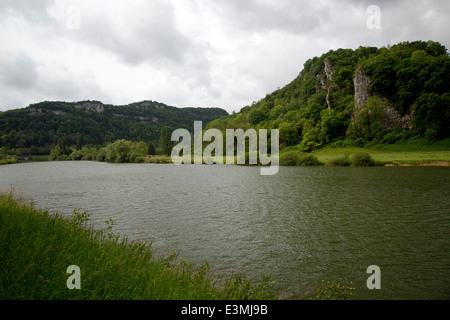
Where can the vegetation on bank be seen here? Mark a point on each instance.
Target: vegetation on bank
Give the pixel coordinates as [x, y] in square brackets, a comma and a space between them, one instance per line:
[8, 159]
[37, 247]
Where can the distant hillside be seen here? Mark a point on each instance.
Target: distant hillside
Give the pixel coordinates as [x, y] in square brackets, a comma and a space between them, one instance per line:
[365, 95]
[39, 126]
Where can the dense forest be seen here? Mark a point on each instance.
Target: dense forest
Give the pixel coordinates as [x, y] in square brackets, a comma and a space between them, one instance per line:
[40, 127]
[357, 98]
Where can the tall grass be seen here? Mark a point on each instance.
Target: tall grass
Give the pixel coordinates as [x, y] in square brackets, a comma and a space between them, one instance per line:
[37, 247]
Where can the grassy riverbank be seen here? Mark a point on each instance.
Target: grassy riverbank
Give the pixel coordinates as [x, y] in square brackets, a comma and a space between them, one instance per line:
[387, 157]
[412, 152]
[37, 247]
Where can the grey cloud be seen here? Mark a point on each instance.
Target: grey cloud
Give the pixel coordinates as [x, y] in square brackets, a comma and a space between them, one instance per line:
[138, 34]
[35, 10]
[18, 71]
[299, 17]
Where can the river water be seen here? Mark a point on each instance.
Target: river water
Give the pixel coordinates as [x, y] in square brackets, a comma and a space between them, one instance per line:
[302, 225]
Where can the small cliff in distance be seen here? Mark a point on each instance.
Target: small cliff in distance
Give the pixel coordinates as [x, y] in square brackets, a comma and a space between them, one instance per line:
[365, 95]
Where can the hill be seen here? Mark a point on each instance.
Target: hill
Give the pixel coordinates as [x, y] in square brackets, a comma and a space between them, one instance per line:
[35, 129]
[357, 98]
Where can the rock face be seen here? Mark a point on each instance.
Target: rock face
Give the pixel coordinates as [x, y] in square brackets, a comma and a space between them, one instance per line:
[94, 106]
[392, 118]
[326, 82]
[361, 82]
[329, 69]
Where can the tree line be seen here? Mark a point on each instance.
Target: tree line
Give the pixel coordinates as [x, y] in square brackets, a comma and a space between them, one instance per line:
[40, 127]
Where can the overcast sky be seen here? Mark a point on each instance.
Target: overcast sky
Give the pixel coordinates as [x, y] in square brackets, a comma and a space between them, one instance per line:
[199, 53]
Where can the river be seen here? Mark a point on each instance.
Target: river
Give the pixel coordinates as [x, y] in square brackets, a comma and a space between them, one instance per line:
[302, 225]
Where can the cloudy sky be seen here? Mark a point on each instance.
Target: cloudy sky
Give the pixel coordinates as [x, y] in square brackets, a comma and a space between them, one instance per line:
[207, 53]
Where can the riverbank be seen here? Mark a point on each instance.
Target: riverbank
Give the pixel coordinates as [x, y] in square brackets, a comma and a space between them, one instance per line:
[410, 152]
[327, 156]
[389, 158]
[37, 247]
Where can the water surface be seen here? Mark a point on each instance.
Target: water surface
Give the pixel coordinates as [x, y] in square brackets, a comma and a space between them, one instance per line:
[303, 225]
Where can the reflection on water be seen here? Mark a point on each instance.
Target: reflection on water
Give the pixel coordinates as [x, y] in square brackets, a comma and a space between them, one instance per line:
[302, 225]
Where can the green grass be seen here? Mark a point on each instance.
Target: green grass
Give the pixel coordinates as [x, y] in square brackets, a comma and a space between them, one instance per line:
[385, 156]
[412, 151]
[37, 247]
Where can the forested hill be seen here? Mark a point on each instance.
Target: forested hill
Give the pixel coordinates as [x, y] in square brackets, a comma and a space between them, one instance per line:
[362, 96]
[39, 126]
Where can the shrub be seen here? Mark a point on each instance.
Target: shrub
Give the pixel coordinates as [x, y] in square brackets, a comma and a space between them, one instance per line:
[362, 160]
[343, 161]
[308, 160]
[88, 157]
[289, 158]
[63, 157]
[76, 155]
[292, 158]
[139, 159]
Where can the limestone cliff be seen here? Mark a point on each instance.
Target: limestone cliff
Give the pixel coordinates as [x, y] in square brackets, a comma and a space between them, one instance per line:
[392, 118]
[326, 82]
[361, 82]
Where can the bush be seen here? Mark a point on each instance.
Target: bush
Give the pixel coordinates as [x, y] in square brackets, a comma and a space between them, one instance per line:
[289, 158]
[362, 160]
[308, 160]
[343, 161]
[139, 159]
[63, 157]
[76, 155]
[88, 157]
[292, 158]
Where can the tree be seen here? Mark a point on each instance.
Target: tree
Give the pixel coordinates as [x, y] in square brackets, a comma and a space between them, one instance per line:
[288, 134]
[333, 125]
[368, 121]
[430, 120]
[165, 141]
[151, 149]
[141, 148]
[78, 142]
[256, 117]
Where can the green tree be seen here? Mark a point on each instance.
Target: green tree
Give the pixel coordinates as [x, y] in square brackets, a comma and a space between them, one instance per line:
[256, 116]
[165, 141]
[368, 121]
[151, 150]
[289, 135]
[79, 142]
[141, 148]
[430, 120]
[333, 125]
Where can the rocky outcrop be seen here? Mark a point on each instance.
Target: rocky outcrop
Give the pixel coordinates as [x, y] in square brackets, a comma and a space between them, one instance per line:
[361, 82]
[91, 106]
[392, 118]
[326, 82]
